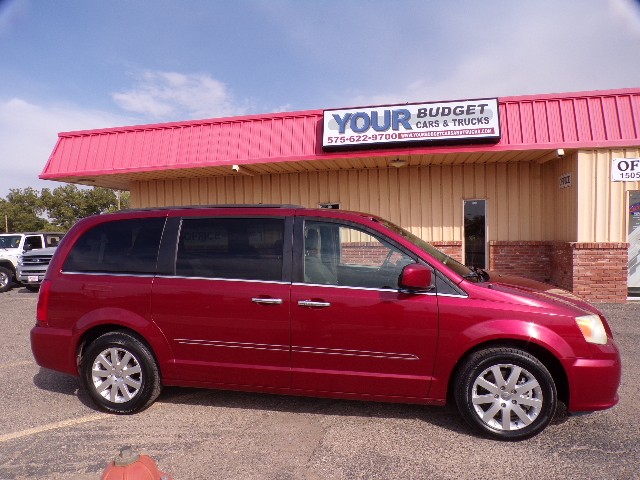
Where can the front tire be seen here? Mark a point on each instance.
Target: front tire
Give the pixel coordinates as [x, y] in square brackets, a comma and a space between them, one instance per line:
[120, 373]
[506, 393]
[6, 279]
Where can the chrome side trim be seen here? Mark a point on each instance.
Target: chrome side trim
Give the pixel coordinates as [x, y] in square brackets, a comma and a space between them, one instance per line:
[453, 295]
[268, 282]
[216, 279]
[220, 343]
[112, 274]
[369, 289]
[354, 353]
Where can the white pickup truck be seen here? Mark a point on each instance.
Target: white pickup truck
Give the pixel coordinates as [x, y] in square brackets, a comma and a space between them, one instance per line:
[13, 245]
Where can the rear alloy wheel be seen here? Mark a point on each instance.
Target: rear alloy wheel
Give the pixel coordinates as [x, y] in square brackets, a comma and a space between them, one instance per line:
[6, 277]
[506, 393]
[120, 373]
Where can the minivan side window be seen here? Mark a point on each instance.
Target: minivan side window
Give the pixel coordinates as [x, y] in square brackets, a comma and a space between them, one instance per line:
[120, 246]
[337, 254]
[235, 248]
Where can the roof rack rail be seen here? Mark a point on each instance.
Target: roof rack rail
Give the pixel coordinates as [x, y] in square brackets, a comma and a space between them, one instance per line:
[231, 205]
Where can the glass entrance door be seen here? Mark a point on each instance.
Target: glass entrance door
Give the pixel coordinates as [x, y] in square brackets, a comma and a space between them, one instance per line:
[475, 237]
[633, 282]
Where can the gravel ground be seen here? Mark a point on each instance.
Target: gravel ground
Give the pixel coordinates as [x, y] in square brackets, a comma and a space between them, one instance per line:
[50, 430]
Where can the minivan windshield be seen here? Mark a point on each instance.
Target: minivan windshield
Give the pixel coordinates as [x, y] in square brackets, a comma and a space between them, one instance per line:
[434, 252]
[9, 241]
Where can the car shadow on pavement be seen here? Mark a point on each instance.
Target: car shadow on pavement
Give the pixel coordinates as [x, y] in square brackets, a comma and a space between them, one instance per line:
[56, 382]
[445, 417]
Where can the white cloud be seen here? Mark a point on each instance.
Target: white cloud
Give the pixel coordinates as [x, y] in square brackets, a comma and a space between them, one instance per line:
[29, 132]
[540, 47]
[628, 13]
[176, 96]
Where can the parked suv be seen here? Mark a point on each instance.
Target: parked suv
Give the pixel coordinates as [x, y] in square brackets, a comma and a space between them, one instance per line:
[12, 245]
[323, 303]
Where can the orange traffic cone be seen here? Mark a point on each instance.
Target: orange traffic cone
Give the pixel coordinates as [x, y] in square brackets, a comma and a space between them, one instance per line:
[131, 466]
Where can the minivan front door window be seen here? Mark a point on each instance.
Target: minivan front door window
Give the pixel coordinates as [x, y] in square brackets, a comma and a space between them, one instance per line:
[337, 254]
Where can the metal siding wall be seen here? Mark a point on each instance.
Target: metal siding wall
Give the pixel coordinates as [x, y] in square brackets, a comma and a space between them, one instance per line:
[603, 203]
[425, 199]
[558, 217]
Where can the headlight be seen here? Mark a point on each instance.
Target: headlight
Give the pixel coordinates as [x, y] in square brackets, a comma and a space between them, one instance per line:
[20, 260]
[592, 329]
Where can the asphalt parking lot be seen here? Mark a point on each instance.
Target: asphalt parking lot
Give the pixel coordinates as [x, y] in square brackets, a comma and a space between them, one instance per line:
[50, 430]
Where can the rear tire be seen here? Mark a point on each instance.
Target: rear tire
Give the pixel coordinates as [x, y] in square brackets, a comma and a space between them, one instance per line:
[120, 373]
[506, 393]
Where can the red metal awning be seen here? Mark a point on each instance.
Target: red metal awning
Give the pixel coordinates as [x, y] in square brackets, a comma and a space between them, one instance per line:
[283, 142]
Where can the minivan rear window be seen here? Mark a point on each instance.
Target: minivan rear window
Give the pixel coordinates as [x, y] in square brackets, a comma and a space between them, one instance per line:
[237, 248]
[122, 246]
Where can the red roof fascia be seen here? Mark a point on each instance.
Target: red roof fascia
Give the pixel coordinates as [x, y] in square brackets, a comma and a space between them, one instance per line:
[597, 119]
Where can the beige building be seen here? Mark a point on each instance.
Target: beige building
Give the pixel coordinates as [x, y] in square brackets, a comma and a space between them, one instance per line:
[541, 186]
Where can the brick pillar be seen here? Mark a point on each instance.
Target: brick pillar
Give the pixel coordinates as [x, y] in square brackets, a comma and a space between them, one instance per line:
[596, 272]
[600, 271]
[561, 273]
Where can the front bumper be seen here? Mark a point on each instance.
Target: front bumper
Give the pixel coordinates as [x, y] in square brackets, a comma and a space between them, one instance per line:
[34, 277]
[594, 382]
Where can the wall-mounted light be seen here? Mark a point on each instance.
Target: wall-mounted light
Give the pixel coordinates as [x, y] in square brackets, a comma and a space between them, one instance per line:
[398, 163]
[241, 170]
[552, 155]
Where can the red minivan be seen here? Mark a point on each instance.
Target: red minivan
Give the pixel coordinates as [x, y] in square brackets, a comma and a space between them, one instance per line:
[328, 303]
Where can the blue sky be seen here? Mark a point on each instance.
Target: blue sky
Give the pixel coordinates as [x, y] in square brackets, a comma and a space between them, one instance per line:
[81, 65]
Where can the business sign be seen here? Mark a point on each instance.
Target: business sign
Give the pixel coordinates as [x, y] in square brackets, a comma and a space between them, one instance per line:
[625, 169]
[565, 180]
[460, 121]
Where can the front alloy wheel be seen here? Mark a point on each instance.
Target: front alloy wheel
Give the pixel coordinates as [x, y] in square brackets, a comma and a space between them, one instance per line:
[506, 393]
[120, 373]
[6, 277]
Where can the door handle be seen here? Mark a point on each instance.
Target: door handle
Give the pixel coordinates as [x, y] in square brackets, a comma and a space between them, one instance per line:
[312, 304]
[267, 301]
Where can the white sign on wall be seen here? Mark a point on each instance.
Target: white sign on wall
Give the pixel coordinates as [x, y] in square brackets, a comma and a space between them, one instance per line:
[625, 169]
[462, 120]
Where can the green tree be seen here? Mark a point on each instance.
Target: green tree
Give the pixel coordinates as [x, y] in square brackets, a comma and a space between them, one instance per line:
[66, 205]
[22, 211]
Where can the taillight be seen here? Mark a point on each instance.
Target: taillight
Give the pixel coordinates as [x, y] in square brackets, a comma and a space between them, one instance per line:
[43, 301]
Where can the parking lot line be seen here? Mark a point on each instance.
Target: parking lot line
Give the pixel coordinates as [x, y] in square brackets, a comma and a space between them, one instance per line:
[53, 426]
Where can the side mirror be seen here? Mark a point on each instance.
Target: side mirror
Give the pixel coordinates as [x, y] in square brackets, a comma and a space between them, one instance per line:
[27, 248]
[416, 277]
